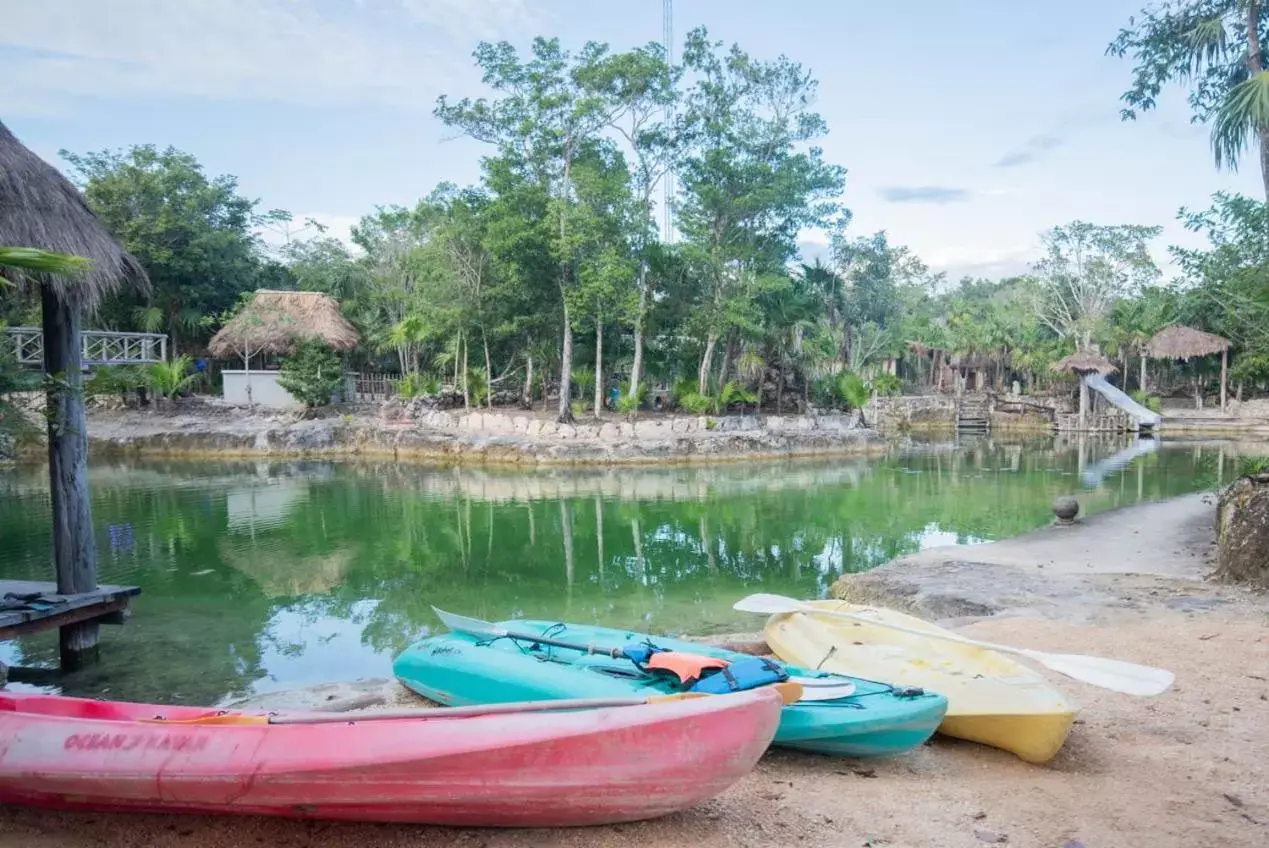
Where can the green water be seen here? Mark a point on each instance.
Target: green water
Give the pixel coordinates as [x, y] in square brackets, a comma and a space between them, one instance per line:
[259, 576]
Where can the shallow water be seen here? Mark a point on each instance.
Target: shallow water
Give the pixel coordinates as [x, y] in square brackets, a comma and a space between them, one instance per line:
[260, 576]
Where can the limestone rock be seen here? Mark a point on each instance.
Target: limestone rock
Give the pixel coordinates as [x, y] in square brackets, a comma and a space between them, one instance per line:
[1242, 531]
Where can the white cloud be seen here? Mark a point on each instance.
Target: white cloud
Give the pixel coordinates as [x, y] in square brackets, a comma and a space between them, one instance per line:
[395, 52]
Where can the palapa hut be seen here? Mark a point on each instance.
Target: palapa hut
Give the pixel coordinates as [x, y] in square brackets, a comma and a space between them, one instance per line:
[273, 323]
[1181, 342]
[40, 208]
[1081, 363]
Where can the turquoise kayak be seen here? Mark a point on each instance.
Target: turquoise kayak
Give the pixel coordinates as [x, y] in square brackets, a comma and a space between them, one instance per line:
[458, 669]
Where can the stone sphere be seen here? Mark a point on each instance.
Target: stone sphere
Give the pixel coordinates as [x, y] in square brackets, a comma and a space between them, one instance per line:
[1066, 508]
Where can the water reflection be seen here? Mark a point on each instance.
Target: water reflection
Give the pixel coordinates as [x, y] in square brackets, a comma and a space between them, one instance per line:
[263, 575]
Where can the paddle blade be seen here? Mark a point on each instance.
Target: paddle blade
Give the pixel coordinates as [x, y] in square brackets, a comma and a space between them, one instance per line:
[767, 604]
[1116, 675]
[472, 626]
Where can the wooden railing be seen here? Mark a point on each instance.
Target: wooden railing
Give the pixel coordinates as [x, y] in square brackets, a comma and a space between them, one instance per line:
[97, 347]
[367, 387]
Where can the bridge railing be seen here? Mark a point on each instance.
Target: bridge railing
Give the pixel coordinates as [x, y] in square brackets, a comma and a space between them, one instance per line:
[97, 347]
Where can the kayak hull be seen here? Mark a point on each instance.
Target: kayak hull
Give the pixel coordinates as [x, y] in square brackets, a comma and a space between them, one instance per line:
[538, 769]
[458, 669]
[992, 699]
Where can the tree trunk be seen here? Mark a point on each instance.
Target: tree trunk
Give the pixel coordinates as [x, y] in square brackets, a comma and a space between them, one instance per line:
[462, 340]
[565, 412]
[707, 358]
[1255, 64]
[527, 400]
[488, 371]
[1142, 381]
[1083, 405]
[636, 369]
[1264, 160]
[74, 553]
[729, 359]
[780, 386]
[1224, 377]
[599, 365]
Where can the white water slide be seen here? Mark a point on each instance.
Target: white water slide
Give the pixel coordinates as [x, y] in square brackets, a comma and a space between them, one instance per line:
[1098, 383]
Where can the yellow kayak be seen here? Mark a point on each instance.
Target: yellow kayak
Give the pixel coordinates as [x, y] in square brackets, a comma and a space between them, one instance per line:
[991, 699]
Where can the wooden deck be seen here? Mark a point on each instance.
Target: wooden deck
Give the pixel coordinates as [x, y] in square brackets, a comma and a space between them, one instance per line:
[107, 605]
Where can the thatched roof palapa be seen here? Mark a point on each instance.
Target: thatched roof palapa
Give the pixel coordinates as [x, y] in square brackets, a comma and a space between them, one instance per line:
[1085, 362]
[40, 208]
[275, 321]
[1181, 342]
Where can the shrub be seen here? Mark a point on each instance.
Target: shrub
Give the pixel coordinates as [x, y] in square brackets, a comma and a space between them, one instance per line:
[1147, 400]
[886, 383]
[169, 379]
[419, 385]
[311, 373]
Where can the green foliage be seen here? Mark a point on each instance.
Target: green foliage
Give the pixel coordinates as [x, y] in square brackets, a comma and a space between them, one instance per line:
[629, 401]
[1253, 466]
[477, 385]
[735, 393]
[697, 403]
[681, 389]
[115, 380]
[195, 236]
[886, 383]
[423, 384]
[1205, 45]
[1251, 368]
[1148, 400]
[34, 261]
[584, 379]
[311, 373]
[853, 390]
[173, 378]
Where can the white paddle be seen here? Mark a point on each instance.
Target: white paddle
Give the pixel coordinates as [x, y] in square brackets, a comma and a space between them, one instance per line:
[1116, 675]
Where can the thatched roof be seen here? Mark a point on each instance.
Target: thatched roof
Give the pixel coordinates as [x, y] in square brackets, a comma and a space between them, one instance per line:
[274, 321]
[40, 208]
[1180, 342]
[1084, 362]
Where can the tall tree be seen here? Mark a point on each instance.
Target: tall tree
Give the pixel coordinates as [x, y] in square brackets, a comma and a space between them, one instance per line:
[643, 81]
[196, 237]
[1214, 47]
[1086, 268]
[751, 180]
[547, 112]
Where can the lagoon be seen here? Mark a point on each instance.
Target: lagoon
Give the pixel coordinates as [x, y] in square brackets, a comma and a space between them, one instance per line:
[259, 576]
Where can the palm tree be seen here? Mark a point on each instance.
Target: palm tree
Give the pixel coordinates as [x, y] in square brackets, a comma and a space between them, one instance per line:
[1215, 47]
[36, 261]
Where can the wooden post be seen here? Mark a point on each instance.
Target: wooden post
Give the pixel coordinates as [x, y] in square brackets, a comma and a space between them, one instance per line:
[1224, 375]
[1083, 403]
[74, 554]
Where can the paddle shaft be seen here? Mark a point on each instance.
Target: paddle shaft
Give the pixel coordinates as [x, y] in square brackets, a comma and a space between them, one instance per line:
[615, 653]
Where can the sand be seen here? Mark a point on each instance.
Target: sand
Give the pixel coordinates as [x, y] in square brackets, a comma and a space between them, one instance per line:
[1185, 769]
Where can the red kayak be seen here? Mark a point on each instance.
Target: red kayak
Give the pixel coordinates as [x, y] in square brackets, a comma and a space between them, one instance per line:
[523, 769]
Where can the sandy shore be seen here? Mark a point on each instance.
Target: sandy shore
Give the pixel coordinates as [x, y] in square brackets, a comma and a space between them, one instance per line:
[1187, 769]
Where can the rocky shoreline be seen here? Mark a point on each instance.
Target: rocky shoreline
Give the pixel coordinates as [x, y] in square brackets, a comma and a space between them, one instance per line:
[481, 437]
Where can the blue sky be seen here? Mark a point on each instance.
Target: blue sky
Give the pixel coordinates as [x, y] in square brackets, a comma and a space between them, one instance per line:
[966, 127]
